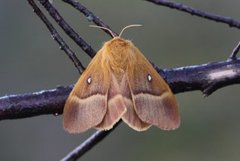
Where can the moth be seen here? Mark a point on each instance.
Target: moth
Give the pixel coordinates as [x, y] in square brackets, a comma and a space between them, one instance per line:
[120, 83]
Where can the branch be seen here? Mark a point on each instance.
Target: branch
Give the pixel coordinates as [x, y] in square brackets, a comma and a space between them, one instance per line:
[88, 144]
[181, 7]
[90, 15]
[57, 37]
[67, 28]
[34, 104]
[206, 78]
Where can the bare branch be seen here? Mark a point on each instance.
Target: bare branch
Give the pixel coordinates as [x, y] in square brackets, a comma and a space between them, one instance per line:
[57, 37]
[181, 7]
[67, 28]
[34, 104]
[206, 78]
[90, 15]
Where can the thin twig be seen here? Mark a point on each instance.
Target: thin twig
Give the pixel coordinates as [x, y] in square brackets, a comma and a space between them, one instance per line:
[178, 6]
[233, 55]
[67, 28]
[57, 37]
[88, 144]
[90, 15]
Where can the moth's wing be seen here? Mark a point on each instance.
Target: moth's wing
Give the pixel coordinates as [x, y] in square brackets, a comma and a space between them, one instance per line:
[153, 100]
[130, 117]
[87, 103]
[115, 106]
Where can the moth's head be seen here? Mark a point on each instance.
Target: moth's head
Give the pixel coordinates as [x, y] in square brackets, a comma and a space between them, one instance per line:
[118, 43]
[118, 47]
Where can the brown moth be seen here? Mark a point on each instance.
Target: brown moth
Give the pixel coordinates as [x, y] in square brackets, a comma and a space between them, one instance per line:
[120, 83]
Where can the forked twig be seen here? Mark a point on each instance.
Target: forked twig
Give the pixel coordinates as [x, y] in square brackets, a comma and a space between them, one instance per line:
[67, 28]
[57, 37]
[233, 55]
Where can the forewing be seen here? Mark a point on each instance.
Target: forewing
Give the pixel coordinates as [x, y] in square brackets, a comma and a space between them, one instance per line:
[130, 117]
[87, 103]
[115, 106]
[153, 100]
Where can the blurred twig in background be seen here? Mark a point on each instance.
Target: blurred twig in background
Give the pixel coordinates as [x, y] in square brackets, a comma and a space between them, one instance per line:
[90, 15]
[210, 16]
[206, 77]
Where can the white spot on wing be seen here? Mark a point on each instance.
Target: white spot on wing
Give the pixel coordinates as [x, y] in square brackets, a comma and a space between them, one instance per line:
[89, 80]
[149, 77]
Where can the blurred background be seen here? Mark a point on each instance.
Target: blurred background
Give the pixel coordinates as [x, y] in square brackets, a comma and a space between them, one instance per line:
[30, 60]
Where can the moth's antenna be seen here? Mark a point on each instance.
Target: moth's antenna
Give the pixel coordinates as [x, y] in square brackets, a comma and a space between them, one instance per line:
[100, 27]
[133, 25]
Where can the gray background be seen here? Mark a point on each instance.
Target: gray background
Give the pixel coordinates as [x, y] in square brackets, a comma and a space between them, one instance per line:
[31, 61]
